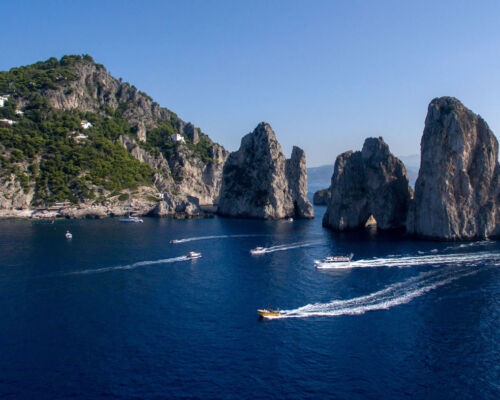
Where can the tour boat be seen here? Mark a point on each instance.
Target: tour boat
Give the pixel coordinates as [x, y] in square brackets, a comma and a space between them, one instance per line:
[267, 312]
[68, 235]
[193, 254]
[258, 250]
[334, 262]
[131, 219]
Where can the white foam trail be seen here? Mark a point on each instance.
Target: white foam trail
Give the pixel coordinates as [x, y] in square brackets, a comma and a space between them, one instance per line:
[393, 295]
[411, 261]
[486, 242]
[196, 238]
[283, 247]
[129, 266]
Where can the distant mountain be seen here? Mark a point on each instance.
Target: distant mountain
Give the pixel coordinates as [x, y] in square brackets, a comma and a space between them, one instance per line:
[320, 177]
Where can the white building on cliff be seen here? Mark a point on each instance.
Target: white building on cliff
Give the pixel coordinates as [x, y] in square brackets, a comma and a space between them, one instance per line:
[177, 138]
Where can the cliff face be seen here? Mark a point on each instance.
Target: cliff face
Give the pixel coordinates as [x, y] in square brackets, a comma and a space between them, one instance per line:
[12, 194]
[296, 175]
[457, 189]
[258, 182]
[371, 182]
[322, 197]
[49, 103]
[95, 88]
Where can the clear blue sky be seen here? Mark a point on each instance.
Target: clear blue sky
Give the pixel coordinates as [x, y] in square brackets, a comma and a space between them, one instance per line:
[324, 74]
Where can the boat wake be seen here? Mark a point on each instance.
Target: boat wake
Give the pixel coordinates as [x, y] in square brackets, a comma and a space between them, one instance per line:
[410, 261]
[393, 295]
[283, 247]
[129, 266]
[196, 238]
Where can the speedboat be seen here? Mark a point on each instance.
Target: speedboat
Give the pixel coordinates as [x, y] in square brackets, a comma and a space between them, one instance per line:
[193, 254]
[132, 219]
[175, 241]
[258, 250]
[268, 312]
[334, 262]
[290, 219]
[68, 235]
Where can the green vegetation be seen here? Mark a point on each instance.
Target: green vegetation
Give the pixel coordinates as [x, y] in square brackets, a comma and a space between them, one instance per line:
[63, 168]
[158, 139]
[50, 74]
[44, 153]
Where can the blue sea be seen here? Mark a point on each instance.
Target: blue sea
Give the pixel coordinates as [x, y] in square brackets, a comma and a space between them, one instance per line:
[118, 312]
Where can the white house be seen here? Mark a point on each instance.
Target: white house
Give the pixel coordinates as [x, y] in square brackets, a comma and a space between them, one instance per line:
[177, 138]
[3, 99]
[7, 121]
[85, 124]
[80, 137]
[19, 112]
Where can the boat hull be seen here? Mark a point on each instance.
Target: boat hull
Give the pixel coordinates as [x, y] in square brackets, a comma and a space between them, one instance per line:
[255, 252]
[267, 313]
[334, 265]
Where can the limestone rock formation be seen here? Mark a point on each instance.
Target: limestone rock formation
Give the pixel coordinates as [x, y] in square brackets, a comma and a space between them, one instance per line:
[258, 182]
[366, 183]
[457, 189]
[12, 193]
[95, 88]
[296, 176]
[90, 110]
[322, 197]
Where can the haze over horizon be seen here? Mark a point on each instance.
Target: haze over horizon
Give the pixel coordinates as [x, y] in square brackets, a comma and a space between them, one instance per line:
[325, 75]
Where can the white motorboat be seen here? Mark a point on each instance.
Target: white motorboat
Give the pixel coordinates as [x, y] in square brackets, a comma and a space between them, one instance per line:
[173, 241]
[258, 250]
[193, 254]
[334, 262]
[132, 219]
[290, 219]
[68, 235]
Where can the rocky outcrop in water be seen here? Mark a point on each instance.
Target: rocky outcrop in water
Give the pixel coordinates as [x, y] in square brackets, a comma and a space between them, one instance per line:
[366, 183]
[258, 182]
[322, 197]
[457, 189]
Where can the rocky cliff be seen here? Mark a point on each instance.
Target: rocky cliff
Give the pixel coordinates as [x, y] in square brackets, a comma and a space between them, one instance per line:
[75, 108]
[322, 197]
[366, 183]
[457, 189]
[258, 182]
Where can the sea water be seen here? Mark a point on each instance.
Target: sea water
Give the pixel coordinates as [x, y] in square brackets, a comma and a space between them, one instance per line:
[120, 312]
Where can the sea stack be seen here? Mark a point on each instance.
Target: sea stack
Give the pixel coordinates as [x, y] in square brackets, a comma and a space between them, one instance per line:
[322, 197]
[258, 182]
[366, 185]
[457, 189]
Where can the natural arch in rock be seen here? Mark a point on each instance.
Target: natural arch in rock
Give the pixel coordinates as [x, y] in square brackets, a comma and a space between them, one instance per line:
[368, 183]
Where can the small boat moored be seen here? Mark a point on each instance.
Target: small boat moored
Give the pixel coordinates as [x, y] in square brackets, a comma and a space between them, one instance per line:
[334, 262]
[131, 219]
[68, 235]
[258, 250]
[268, 312]
[193, 254]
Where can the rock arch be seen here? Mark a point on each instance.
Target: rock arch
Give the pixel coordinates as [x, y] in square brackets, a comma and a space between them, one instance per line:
[371, 182]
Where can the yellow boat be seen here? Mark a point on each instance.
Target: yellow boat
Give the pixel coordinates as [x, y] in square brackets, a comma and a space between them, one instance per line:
[269, 313]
